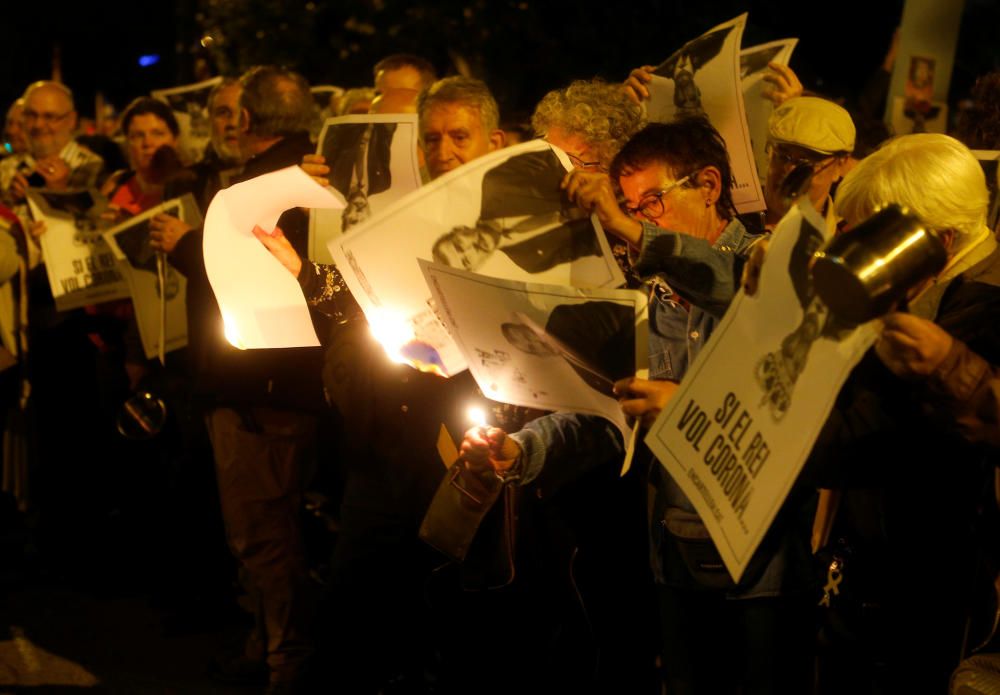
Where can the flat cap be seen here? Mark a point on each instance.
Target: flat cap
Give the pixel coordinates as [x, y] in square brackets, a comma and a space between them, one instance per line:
[816, 124]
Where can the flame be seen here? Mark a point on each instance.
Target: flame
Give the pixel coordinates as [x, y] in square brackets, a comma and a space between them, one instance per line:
[396, 336]
[476, 415]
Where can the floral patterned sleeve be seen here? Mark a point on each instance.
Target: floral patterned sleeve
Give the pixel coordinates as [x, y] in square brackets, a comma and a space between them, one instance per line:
[326, 291]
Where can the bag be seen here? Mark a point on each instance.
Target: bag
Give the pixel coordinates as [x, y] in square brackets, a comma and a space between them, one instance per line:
[461, 502]
[697, 549]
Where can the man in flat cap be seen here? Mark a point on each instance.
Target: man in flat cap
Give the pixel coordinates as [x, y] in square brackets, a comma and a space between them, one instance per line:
[814, 136]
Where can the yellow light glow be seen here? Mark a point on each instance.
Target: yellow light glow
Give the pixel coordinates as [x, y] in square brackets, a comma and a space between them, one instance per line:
[476, 415]
[392, 331]
[231, 333]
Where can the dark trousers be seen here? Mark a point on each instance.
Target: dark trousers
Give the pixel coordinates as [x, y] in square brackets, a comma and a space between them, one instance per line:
[260, 459]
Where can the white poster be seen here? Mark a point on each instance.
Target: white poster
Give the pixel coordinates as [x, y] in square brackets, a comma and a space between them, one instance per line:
[543, 346]
[80, 266]
[261, 302]
[502, 215]
[190, 105]
[373, 163]
[990, 161]
[702, 78]
[157, 288]
[742, 423]
[753, 67]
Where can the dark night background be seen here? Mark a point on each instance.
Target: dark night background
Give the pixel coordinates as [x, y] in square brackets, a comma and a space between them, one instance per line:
[521, 48]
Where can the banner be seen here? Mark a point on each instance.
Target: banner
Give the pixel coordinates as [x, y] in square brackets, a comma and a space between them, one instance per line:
[738, 430]
[502, 215]
[543, 346]
[158, 290]
[702, 78]
[373, 163]
[78, 262]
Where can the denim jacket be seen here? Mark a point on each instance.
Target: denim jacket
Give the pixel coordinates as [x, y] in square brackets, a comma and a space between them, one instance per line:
[691, 283]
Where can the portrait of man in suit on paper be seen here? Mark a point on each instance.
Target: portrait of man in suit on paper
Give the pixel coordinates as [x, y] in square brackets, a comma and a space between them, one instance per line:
[596, 339]
[523, 215]
[359, 155]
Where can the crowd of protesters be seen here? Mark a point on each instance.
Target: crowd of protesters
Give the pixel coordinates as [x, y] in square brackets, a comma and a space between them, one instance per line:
[320, 464]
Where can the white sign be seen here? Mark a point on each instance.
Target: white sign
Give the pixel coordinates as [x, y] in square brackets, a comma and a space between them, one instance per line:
[373, 163]
[543, 346]
[745, 417]
[78, 262]
[261, 303]
[503, 215]
[702, 78]
[158, 290]
[753, 67]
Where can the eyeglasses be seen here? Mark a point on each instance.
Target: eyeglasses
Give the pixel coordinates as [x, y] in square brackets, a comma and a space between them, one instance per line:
[28, 115]
[586, 166]
[782, 156]
[652, 205]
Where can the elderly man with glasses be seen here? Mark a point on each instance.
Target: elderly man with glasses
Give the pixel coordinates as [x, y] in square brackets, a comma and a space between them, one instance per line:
[53, 159]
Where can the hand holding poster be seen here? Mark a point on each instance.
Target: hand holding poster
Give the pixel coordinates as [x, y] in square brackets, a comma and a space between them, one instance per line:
[702, 78]
[261, 302]
[753, 67]
[543, 346]
[157, 289]
[78, 262]
[373, 163]
[502, 215]
[745, 417]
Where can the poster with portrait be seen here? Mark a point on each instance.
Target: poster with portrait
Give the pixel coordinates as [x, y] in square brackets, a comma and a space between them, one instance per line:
[373, 163]
[324, 97]
[550, 347]
[753, 67]
[158, 289]
[502, 215]
[702, 78]
[190, 105]
[738, 430]
[918, 117]
[80, 267]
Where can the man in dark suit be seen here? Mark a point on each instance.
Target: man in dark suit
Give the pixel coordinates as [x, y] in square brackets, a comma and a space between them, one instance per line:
[525, 215]
[597, 339]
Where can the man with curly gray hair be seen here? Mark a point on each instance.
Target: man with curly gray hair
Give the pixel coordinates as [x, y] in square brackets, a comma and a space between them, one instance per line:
[590, 120]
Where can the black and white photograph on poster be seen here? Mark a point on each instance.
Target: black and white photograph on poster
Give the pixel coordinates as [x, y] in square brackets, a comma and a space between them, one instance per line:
[81, 269]
[190, 105]
[702, 78]
[740, 426]
[502, 215]
[373, 163]
[157, 288]
[990, 161]
[753, 67]
[543, 346]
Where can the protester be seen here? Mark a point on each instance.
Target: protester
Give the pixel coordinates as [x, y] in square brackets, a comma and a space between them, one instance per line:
[915, 429]
[262, 407]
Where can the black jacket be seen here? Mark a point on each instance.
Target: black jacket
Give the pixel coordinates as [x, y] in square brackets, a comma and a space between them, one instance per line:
[282, 378]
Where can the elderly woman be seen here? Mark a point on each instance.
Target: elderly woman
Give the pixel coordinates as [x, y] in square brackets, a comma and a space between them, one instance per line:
[151, 133]
[913, 436]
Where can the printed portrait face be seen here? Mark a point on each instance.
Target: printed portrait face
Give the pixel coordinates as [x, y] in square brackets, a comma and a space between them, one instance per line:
[466, 247]
[526, 340]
